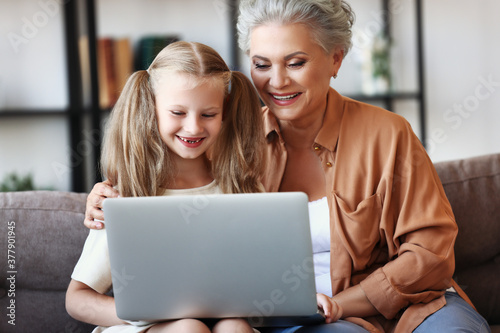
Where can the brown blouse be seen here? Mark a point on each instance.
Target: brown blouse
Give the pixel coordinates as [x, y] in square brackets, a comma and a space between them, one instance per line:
[392, 227]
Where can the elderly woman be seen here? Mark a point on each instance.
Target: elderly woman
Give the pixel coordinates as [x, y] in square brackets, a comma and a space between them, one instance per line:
[383, 230]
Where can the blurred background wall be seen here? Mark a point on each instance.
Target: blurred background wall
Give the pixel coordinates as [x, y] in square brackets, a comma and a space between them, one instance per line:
[461, 72]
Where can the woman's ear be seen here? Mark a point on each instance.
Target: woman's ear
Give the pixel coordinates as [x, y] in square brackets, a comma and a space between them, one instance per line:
[337, 57]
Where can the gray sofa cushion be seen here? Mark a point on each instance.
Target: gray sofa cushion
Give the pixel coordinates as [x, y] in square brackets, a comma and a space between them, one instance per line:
[473, 189]
[49, 236]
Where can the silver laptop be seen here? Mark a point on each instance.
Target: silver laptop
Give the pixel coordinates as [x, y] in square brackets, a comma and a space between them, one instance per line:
[213, 256]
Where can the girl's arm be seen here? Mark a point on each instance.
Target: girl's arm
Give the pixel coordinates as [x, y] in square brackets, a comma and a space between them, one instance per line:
[85, 304]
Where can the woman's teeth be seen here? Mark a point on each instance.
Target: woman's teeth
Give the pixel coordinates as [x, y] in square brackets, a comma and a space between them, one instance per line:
[285, 98]
[190, 141]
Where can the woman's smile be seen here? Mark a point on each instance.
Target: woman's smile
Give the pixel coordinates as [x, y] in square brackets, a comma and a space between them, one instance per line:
[285, 99]
[290, 70]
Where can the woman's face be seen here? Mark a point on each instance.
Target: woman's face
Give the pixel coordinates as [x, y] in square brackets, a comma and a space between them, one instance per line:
[290, 70]
[189, 113]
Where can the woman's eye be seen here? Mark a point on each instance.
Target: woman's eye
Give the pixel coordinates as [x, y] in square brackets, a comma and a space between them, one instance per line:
[261, 66]
[297, 64]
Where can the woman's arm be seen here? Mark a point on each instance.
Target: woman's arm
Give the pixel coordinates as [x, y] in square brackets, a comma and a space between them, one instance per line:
[354, 303]
[95, 198]
[85, 304]
[351, 302]
[418, 226]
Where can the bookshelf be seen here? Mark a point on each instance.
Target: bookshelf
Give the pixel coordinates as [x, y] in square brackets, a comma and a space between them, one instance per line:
[23, 113]
[83, 113]
[418, 95]
[41, 31]
[94, 20]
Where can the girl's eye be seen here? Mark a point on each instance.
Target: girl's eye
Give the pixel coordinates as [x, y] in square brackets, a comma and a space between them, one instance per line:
[177, 113]
[209, 115]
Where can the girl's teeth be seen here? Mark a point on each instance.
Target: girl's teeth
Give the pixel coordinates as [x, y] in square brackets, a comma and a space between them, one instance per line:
[285, 98]
[190, 141]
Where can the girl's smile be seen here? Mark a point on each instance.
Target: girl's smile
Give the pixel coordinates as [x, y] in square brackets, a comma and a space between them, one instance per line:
[191, 142]
[189, 112]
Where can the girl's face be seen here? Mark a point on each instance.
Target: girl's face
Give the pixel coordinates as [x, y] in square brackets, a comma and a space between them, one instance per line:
[189, 113]
[290, 70]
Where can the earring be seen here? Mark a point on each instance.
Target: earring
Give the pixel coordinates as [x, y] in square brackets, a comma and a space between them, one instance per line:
[335, 75]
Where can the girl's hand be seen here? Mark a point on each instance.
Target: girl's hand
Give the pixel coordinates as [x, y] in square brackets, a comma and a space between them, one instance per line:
[329, 308]
[95, 198]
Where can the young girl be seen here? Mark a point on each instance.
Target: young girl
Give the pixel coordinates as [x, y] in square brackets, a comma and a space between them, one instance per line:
[187, 125]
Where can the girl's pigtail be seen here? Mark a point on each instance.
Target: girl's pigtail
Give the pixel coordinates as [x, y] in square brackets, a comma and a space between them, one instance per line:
[238, 159]
[133, 154]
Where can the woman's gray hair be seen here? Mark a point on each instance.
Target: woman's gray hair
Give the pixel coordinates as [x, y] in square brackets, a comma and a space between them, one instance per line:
[330, 21]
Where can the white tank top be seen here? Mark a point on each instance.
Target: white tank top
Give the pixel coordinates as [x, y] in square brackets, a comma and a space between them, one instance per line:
[319, 216]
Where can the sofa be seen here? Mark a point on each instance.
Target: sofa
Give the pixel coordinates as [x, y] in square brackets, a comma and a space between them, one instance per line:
[42, 234]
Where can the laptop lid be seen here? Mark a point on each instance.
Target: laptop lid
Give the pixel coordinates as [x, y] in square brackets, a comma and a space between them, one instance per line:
[212, 256]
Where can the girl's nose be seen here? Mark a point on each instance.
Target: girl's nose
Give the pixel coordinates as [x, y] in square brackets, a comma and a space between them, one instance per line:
[193, 125]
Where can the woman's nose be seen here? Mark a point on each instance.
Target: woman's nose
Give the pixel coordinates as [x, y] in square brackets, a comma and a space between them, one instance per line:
[279, 78]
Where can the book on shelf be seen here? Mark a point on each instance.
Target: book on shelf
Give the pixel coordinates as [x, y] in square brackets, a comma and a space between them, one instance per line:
[148, 48]
[105, 71]
[83, 47]
[116, 61]
[123, 63]
[114, 66]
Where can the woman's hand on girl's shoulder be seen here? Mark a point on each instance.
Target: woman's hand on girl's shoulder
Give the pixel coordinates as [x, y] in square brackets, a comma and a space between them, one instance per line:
[329, 308]
[94, 216]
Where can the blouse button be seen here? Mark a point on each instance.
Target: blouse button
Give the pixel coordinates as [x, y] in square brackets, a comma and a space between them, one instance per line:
[317, 148]
[329, 164]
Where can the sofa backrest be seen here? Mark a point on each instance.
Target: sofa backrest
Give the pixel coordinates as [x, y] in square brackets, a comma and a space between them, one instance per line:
[45, 232]
[473, 188]
[48, 236]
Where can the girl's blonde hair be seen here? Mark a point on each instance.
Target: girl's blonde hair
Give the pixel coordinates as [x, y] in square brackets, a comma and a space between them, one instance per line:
[138, 162]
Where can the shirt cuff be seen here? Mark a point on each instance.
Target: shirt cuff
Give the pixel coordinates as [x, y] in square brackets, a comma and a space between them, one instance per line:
[381, 293]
